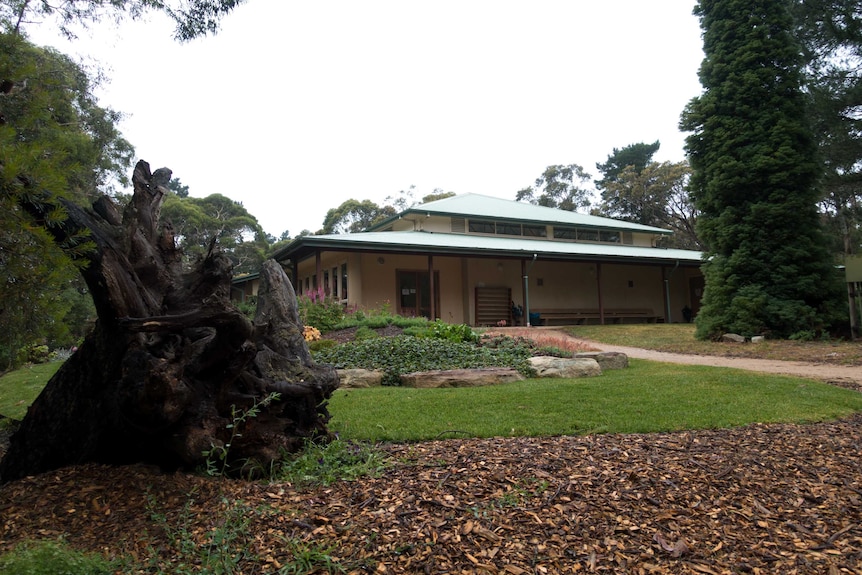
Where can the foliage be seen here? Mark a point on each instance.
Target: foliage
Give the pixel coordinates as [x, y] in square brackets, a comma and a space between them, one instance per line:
[354, 216]
[193, 18]
[406, 354]
[56, 144]
[638, 156]
[560, 187]
[324, 464]
[321, 312]
[52, 558]
[33, 353]
[646, 397]
[455, 332]
[248, 306]
[830, 32]
[197, 222]
[217, 457]
[656, 195]
[752, 153]
[365, 332]
[321, 344]
[224, 548]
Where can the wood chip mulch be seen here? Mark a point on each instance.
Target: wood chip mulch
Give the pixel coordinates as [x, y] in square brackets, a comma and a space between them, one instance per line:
[758, 499]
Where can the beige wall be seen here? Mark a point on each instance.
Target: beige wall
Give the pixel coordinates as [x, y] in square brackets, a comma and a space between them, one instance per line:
[372, 284]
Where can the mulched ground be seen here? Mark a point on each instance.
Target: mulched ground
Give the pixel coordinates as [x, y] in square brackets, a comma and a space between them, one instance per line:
[759, 499]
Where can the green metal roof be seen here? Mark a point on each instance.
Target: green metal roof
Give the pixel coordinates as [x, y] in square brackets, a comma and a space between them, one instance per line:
[436, 243]
[478, 206]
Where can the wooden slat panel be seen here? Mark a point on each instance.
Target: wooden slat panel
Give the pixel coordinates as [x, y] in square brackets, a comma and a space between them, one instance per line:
[493, 305]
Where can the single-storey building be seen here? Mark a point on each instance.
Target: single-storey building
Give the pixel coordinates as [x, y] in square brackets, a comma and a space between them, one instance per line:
[483, 261]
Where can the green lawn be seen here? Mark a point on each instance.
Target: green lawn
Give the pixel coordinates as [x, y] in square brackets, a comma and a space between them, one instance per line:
[646, 397]
[19, 388]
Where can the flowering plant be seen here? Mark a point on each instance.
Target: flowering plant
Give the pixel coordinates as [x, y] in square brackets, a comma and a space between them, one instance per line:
[310, 333]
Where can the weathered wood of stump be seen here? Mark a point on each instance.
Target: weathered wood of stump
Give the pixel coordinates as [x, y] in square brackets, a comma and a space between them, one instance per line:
[171, 362]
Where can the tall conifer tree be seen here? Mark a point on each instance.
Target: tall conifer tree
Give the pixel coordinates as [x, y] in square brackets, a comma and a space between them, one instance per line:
[754, 179]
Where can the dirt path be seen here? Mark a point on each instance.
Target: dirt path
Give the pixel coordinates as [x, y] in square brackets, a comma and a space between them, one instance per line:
[826, 372]
[847, 376]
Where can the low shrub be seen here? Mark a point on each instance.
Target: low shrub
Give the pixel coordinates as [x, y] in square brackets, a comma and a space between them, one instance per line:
[321, 344]
[407, 354]
[324, 464]
[365, 332]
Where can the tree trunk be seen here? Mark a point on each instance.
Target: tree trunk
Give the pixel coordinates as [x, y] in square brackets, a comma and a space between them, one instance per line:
[171, 365]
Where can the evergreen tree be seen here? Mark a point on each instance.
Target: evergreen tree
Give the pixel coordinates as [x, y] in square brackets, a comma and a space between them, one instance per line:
[754, 178]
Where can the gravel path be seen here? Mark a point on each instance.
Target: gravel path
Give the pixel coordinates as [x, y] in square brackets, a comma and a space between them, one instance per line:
[831, 373]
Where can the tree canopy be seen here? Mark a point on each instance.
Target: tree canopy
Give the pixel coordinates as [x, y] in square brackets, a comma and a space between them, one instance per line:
[754, 176]
[192, 18]
[635, 155]
[656, 195]
[831, 35]
[559, 186]
[56, 143]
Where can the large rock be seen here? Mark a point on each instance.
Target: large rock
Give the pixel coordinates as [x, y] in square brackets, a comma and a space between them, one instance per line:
[547, 366]
[733, 338]
[606, 359]
[461, 377]
[358, 378]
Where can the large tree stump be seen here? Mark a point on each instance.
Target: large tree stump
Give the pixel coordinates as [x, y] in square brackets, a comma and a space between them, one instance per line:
[171, 362]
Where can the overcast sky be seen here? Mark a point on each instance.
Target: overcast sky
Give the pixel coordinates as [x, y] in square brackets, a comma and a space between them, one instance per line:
[295, 107]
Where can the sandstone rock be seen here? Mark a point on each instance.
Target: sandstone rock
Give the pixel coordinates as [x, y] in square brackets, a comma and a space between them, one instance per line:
[357, 378]
[461, 377]
[547, 366]
[606, 359]
[733, 338]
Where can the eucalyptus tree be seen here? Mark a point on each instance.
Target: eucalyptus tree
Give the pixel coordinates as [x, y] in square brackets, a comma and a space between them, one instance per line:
[192, 18]
[560, 186]
[656, 195]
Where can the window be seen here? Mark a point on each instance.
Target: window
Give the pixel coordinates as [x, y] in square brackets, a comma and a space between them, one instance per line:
[561, 233]
[335, 282]
[606, 236]
[344, 281]
[414, 294]
[588, 235]
[509, 229]
[535, 231]
[326, 282]
[481, 227]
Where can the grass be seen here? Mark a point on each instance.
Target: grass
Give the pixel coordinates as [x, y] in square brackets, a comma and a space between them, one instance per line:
[646, 397]
[19, 388]
[679, 338]
[52, 557]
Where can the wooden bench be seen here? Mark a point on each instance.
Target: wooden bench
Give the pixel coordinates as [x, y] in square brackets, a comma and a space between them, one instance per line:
[580, 315]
